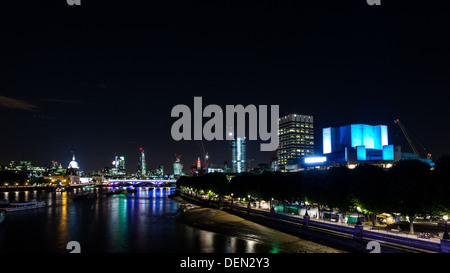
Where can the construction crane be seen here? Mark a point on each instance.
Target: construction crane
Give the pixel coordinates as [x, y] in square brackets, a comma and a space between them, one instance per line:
[203, 152]
[409, 139]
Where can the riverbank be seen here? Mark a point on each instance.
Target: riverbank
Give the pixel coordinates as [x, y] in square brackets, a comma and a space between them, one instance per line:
[34, 188]
[220, 221]
[320, 236]
[26, 188]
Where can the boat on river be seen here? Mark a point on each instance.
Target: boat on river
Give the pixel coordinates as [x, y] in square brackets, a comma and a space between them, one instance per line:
[19, 206]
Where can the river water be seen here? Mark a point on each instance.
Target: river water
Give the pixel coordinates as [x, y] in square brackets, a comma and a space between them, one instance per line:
[123, 223]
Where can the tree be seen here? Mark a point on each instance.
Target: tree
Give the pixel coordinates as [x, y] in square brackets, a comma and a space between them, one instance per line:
[184, 181]
[41, 180]
[410, 190]
[217, 183]
[12, 178]
[267, 185]
[313, 186]
[442, 178]
[239, 185]
[368, 188]
[336, 189]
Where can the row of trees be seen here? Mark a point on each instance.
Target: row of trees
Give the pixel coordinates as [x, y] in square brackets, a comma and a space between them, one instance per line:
[11, 178]
[210, 184]
[409, 187]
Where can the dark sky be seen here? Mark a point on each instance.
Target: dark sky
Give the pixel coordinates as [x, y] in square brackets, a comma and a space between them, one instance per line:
[100, 79]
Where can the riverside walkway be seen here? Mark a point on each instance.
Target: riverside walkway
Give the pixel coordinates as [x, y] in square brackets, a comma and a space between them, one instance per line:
[328, 222]
[367, 233]
[363, 232]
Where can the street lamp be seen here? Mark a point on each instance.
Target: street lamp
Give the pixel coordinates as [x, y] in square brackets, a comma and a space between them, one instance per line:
[306, 209]
[446, 235]
[358, 222]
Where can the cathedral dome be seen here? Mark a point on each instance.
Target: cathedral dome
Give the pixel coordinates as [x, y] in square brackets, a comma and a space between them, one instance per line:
[73, 164]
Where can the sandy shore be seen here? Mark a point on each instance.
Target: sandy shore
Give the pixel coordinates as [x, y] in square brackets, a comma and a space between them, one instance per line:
[225, 223]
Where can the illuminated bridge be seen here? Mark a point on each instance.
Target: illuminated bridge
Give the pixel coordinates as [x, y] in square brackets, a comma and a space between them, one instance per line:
[141, 182]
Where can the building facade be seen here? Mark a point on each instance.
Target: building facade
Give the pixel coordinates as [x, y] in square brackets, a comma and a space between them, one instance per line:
[178, 166]
[74, 171]
[118, 168]
[358, 143]
[296, 139]
[238, 155]
[142, 165]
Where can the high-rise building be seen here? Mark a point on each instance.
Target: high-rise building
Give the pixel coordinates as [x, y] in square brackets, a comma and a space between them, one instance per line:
[122, 168]
[199, 164]
[178, 166]
[238, 154]
[159, 171]
[118, 168]
[296, 139]
[115, 163]
[142, 165]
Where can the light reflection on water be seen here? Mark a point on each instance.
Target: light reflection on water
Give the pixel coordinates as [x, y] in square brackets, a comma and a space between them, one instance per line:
[142, 222]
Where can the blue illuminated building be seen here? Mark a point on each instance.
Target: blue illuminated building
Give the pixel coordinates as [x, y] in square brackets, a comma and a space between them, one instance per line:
[358, 143]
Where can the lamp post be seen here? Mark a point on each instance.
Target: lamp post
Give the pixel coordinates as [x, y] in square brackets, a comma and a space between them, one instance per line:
[306, 209]
[446, 235]
[358, 222]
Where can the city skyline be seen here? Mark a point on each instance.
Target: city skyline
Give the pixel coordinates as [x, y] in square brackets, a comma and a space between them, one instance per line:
[103, 85]
[197, 132]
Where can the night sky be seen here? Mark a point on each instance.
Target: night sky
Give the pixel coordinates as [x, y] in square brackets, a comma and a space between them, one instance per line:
[101, 79]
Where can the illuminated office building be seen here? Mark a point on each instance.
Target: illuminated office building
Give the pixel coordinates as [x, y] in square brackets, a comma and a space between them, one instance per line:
[296, 139]
[238, 153]
[178, 166]
[142, 165]
[159, 170]
[115, 163]
[118, 166]
[122, 164]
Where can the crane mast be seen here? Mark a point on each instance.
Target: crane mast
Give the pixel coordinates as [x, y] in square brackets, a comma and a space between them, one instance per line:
[407, 137]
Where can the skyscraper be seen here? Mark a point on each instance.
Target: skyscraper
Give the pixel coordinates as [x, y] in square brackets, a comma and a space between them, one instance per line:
[238, 153]
[296, 139]
[178, 166]
[142, 165]
[118, 168]
[122, 168]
